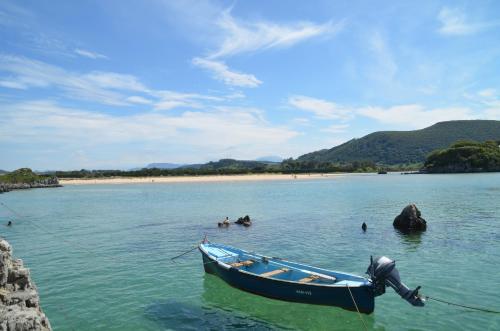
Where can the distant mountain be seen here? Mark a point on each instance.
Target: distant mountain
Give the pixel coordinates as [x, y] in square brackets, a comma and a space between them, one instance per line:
[2, 172]
[164, 165]
[406, 147]
[270, 158]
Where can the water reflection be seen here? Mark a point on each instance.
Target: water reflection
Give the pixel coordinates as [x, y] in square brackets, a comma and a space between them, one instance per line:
[280, 314]
[410, 239]
[181, 316]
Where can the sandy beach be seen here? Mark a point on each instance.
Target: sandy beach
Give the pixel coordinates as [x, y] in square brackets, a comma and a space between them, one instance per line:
[194, 179]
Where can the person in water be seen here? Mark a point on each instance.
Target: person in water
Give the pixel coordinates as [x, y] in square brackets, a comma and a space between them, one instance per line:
[226, 221]
[9, 223]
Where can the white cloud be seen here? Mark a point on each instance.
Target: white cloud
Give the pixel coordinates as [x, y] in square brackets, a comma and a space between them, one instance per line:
[194, 135]
[237, 36]
[454, 22]
[336, 128]
[29, 73]
[115, 81]
[89, 54]
[385, 68]
[487, 93]
[139, 100]
[405, 116]
[415, 116]
[13, 84]
[248, 36]
[108, 88]
[222, 72]
[320, 108]
[493, 113]
[301, 121]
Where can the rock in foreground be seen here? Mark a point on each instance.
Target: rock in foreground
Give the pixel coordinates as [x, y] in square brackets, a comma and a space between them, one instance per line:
[410, 220]
[19, 302]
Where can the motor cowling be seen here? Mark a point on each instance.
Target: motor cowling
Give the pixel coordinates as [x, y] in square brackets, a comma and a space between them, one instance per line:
[383, 273]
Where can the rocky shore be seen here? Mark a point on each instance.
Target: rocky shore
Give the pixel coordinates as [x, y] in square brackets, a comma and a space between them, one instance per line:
[19, 301]
[44, 183]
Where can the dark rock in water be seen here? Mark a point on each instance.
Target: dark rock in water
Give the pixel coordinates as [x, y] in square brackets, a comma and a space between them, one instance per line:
[19, 301]
[363, 226]
[244, 221]
[410, 220]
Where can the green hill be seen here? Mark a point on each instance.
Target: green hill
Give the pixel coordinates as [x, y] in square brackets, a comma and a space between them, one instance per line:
[465, 156]
[406, 147]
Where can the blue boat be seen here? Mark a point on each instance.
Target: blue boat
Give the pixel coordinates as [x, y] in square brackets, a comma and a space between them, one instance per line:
[284, 280]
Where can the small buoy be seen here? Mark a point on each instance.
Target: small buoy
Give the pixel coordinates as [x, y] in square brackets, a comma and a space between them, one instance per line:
[363, 226]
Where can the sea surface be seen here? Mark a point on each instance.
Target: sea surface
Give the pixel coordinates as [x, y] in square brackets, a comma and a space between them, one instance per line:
[100, 254]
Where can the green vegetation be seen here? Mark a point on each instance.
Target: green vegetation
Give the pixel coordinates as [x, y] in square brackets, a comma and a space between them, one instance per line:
[376, 152]
[231, 164]
[407, 149]
[465, 156]
[21, 176]
[222, 167]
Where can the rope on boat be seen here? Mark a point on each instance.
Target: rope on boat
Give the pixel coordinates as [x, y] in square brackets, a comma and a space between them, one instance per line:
[186, 252]
[356, 305]
[486, 310]
[19, 216]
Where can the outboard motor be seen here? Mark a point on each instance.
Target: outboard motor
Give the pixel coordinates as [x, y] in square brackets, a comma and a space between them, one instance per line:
[383, 272]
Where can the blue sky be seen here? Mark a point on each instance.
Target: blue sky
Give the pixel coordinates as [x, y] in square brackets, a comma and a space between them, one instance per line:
[120, 84]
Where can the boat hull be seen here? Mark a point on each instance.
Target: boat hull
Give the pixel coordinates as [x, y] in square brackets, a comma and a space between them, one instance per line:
[339, 296]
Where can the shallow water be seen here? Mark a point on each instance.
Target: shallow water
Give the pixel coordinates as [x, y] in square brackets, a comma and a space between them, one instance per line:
[100, 253]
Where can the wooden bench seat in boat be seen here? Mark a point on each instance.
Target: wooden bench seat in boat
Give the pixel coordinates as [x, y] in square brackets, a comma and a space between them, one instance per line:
[314, 277]
[274, 272]
[242, 263]
[309, 279]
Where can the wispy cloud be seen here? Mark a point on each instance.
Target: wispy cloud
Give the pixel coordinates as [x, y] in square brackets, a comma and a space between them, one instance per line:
[89, 54]
[384, 68]
[416, 116]
[336, 128]
[237, 36]
[103, 87]
[194, 135]
[222, 72]
[139, 100]
[404, 116]
[454, 22]
[241, 36]
[320, 108]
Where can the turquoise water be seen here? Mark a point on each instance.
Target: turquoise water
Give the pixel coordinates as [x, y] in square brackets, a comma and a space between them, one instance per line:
[100, 253]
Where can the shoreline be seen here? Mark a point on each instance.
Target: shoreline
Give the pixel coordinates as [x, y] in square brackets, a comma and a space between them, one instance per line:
[196, 179]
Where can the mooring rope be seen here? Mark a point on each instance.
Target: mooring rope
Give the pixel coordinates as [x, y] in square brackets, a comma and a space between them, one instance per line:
[486, 310]
[186, 252]
[356, 305]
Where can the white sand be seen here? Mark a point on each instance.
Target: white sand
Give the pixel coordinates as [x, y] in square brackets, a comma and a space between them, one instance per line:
[193, 179]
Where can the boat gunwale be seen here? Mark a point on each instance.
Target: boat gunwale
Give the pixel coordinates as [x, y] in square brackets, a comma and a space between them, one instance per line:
[227, 266]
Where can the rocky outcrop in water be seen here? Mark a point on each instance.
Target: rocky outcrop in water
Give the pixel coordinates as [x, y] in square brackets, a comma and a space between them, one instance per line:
[245, 221]
[19, 301]
[43, 183]
[410, 220]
